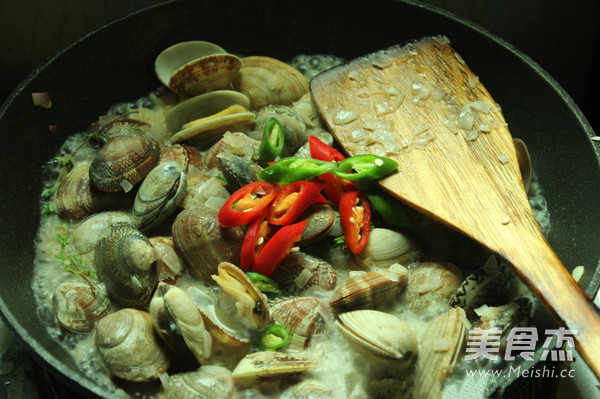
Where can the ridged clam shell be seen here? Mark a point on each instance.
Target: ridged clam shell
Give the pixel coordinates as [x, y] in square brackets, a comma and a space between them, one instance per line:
[431, 284]
[196, 67]
[238, 171]
[169, 265]
[384, 248]
[370, 288]
[294, 128]
[122, 162]
[74, 199]
[187, 157]
[208, 382]
[77, 307]
[179, 323]
[203, 243]
[308, 389]
[117, 125]
[128, 346]
[381, 334]
[126, 262]
[441, 346]
[94, 228]
[267, 81]
[207, 106]
[300, 271]
[159, 195]
[303, 317]
[268, 366]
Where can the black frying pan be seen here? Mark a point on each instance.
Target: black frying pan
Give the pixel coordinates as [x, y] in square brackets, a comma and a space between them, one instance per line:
[115, 64]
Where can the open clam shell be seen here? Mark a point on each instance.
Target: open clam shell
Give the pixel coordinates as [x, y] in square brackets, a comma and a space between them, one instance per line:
[196, 67]
[169, 265]
[269, 365]
[87, 234]
[204, 118]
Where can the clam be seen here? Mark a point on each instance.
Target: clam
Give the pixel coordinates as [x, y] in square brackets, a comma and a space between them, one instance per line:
[384, 248]
[203, 189]
[320, 220]
[308, 389]
[269, 81]
[366, 289]
[159, 195]
[381, 334]
[87, 234]
[74, 198]
[268, 366]
[324, 136]
[169, 266]
[239, 297]
[308, 111]
[303, 317]
[179, 323]
[128, 346]
[238, 171]
[122, 162]
[208, 382]
[203, 119]
[196, 67]
[187, 157]
[441, 346]
[294, 128]
[431, 285]
[524, 161]
[236, 143]
[119, 125]
[77, 305]
[126, 262]
[203, 243]
[300, 271]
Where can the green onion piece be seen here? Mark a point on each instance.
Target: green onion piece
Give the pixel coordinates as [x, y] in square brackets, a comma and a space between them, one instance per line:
[267, 286]
[274, 337]
[365, 167]
[390, 209]
[289, 170]
[272, 141]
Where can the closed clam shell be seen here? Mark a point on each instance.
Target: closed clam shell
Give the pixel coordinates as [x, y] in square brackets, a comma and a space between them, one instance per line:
[294, 128]
[268, 366]
[303, 317]
[208, 382]
[370, 288]
[159, 195]
[320, 219]
[202, 119]
[126, 262]
[382, 334]
[440, 347]
[384, 248]
[128, 346]
[122, 162]
[87, 234]
[74, 199]
[77, 306]
[169, 265]
[240, 298]
[203, 243]
[300, 271]
[187, 157]
[179, 323]
[196, 67]
[267, 81]
[431, 284]
[118, 125]
[308, 389]
[238, 171]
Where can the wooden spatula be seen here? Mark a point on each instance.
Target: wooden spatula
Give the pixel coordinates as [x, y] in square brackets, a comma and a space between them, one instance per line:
[457, 162]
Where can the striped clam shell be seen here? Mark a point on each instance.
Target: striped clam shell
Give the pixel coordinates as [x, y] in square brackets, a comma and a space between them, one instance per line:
[208, 382]
[370, 288]
[77, 306]
[87, 234]
[187, 157]
[308, 389]
[300, 271]
[268, 366]
[159, 195]
[303, 317]
[74, 199]
[431, 284]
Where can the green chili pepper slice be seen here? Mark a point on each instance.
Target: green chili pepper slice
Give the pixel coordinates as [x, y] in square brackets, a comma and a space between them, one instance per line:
[267, 286]
[289, 170]
[390, 209]
[365, 167]
[274, 337]
[272, 142]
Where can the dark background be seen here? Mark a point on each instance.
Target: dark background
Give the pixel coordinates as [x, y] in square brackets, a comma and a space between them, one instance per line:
[560, 36]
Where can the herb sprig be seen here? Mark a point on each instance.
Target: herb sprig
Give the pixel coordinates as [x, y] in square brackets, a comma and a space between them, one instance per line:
[73, 263]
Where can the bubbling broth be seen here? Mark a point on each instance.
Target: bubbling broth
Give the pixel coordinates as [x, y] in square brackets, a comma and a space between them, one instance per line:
[136, 257]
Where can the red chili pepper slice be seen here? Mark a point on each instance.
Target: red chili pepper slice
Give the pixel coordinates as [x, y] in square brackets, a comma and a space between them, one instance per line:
[292, 200]
[277, 248]
[254, 240]
[247, 203]
[333, 185]
[355, 218]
